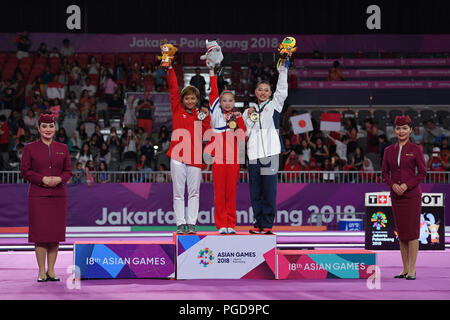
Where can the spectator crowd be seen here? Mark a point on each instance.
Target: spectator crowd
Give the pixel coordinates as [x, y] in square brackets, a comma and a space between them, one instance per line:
[84, 95]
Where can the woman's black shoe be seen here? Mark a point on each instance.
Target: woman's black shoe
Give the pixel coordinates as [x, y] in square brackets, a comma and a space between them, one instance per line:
[408, 277]
[400, 276]
[52, 278]
[42, 280]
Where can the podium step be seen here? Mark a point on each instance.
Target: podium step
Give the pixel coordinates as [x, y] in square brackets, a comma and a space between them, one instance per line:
[209, 255]
[124, 259]
[325, 264]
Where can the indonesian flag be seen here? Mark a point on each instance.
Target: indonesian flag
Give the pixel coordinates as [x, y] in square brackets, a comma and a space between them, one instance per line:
[330, 121]
[301, 123]
[55, 90]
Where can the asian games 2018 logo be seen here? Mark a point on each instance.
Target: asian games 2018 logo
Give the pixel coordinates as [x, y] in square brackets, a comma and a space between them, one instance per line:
[206, 257]
[379, 220]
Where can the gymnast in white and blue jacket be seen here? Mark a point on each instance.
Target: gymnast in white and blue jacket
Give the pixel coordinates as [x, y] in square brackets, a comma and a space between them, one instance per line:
[263, 148]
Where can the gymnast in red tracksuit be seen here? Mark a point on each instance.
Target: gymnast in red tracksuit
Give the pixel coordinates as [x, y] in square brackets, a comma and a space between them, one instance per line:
[227, 147]
[186, 151]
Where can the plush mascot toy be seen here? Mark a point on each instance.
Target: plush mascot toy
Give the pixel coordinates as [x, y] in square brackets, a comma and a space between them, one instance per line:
[286, 49]
[213, 54]
[168, 51]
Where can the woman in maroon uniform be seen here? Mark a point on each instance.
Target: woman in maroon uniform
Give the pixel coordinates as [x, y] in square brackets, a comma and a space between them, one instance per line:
[46, 165]
[400, 161]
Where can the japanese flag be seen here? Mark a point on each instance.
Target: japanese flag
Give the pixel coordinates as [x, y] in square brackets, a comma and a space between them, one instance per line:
[301, 123]
[330, 121]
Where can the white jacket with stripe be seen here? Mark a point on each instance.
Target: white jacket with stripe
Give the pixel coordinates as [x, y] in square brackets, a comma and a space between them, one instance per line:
[263, 135]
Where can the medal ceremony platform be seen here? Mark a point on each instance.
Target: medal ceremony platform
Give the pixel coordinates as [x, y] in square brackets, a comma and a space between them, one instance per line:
[295, 263]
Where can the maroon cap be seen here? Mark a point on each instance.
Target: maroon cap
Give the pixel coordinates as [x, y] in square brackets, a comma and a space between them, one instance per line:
[46, 118]
[402, 120]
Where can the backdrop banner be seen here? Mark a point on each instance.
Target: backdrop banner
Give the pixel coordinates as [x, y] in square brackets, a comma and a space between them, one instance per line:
[150, 204]
[260, 43]
[393, 84]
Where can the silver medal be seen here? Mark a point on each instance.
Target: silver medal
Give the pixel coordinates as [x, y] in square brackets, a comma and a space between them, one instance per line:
[201, 116]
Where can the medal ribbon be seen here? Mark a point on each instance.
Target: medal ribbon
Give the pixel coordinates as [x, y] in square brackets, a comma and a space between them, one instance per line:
[262, 108]
[228, 117]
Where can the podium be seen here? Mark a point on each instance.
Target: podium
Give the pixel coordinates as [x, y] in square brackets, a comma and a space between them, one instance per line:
[124, 259]
[325, 264]
[380, 231]
[209, 255]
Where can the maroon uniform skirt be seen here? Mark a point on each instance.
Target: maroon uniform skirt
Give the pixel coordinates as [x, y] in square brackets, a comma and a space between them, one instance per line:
[47, 219]
[407, 217]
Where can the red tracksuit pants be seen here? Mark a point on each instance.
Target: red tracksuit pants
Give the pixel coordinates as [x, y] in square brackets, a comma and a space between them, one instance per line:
[225, 179]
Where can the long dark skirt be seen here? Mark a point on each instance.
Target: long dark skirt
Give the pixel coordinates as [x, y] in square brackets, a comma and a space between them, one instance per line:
[47, 219]
[407, 217]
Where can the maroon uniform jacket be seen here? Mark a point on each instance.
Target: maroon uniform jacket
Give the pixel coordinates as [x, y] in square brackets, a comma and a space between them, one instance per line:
[411, 158]
[40, 160]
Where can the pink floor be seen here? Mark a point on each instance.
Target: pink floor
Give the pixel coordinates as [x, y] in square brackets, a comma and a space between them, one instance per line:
[18, 273]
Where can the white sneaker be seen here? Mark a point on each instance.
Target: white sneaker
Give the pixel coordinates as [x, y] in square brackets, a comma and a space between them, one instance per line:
[223, 230]
[231, 230]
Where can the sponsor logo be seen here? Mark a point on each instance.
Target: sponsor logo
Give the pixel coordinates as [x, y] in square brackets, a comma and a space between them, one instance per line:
[154, 261]
[378, 220]
[206, 257]
[382, 199]
[372, 199]
[336, 266]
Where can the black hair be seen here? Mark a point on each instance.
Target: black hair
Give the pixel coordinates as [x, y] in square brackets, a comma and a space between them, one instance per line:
[264, 82]
[368, 120]
[104, 163]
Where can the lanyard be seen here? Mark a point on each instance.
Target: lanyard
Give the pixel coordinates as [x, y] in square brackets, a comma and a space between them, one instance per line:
[228, 116]
[263, 106]
[190, 111]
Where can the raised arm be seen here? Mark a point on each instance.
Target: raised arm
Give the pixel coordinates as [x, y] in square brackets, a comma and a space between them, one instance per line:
[309, 140]
[330, 137]
[281, 92]
[174, 90]
[214, 94]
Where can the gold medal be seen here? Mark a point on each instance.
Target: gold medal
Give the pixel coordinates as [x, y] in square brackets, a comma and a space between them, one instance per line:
[254, 116]
[230, 120]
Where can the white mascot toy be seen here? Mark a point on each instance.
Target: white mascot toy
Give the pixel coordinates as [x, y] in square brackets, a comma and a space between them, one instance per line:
[213, 54]
[423, 238]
